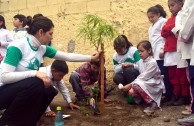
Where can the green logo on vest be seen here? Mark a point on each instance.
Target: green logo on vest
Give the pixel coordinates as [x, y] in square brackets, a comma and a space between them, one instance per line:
[34, 64]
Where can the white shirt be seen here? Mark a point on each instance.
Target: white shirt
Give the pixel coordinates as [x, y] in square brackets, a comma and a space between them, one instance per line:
[19, 34]
[155, 38]
[150, 78]
[60, 85]
[5, 38]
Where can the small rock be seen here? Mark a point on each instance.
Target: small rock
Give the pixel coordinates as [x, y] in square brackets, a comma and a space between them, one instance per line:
[166, 119]
[118, 107]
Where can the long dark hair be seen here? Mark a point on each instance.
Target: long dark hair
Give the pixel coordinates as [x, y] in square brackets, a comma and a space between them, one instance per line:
[3, 20]
[121, 41]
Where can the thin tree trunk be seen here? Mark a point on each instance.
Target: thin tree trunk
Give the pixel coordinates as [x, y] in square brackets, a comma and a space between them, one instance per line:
[102, 79]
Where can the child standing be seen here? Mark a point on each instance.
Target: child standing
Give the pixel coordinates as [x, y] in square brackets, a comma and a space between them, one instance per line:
[177, 76]
[125, 54]
[157, 17]
[186, 36]
[148, 86]
[83, 79]
[56, 72]
[5, 37]
[19, 23]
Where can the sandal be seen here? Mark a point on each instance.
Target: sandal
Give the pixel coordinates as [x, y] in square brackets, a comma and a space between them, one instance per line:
[50, 114]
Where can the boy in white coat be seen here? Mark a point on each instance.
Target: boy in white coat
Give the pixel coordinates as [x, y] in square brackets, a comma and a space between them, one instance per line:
[56, 72]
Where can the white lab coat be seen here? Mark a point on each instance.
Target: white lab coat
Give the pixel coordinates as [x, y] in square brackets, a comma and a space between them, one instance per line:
[150, 78]
[155, 38]
[185, 23]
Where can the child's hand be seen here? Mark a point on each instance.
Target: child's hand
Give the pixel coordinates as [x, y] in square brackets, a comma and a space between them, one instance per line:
[92, 101]
[161, 54]
[127, 87]
[127, 64]
[71, 105]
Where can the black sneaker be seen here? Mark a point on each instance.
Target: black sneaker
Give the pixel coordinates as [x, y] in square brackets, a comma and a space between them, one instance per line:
[184, 100]
[172, 100]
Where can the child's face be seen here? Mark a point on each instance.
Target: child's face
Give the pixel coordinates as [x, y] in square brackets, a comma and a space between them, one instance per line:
[120, 50]
[153, 17]
[143, 52]
[174, 7]
[17, 23]
[57, 76]
[94, 68]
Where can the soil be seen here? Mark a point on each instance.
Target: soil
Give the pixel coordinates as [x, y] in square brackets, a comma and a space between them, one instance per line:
[117, 112]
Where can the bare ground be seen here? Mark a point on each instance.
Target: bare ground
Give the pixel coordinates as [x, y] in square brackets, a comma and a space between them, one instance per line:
[117, 112]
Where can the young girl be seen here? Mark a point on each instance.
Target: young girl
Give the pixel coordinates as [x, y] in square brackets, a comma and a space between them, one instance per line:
[157, 17]
[5, 37]
[177, 76]
[148, 86]
[125, 55]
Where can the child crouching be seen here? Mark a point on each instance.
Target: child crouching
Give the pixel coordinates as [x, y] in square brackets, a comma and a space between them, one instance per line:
[148, 86]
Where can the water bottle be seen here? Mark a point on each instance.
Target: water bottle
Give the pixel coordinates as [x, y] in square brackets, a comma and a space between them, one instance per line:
[59, 117]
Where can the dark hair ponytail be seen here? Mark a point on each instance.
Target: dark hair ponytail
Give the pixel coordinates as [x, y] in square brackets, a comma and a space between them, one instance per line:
[157, 9]
[38, 23]
[29, 20]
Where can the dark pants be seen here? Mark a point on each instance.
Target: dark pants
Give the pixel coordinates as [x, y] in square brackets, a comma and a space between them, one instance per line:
[129, 75]
[25, 101]
[191, 77]
[75, 82]
[164, 71]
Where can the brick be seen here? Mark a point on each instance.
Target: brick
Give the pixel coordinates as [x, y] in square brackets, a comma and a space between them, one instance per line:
[4, 0]
[49, 10]
[98, 5]
[36, 3]
[29, 12]
[78, 7]
[73, 1]
[50, 2]
[4, 6]
[17, 4]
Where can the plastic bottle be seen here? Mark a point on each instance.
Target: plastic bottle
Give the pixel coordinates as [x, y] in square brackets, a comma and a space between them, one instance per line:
[59, 117]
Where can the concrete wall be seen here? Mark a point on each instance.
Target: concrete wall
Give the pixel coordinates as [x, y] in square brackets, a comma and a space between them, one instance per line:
[128, 15]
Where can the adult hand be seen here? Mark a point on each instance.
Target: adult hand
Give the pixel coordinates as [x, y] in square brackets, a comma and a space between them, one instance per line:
[46, 80]
[127, 87]
[95, 57]
[71, 105]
